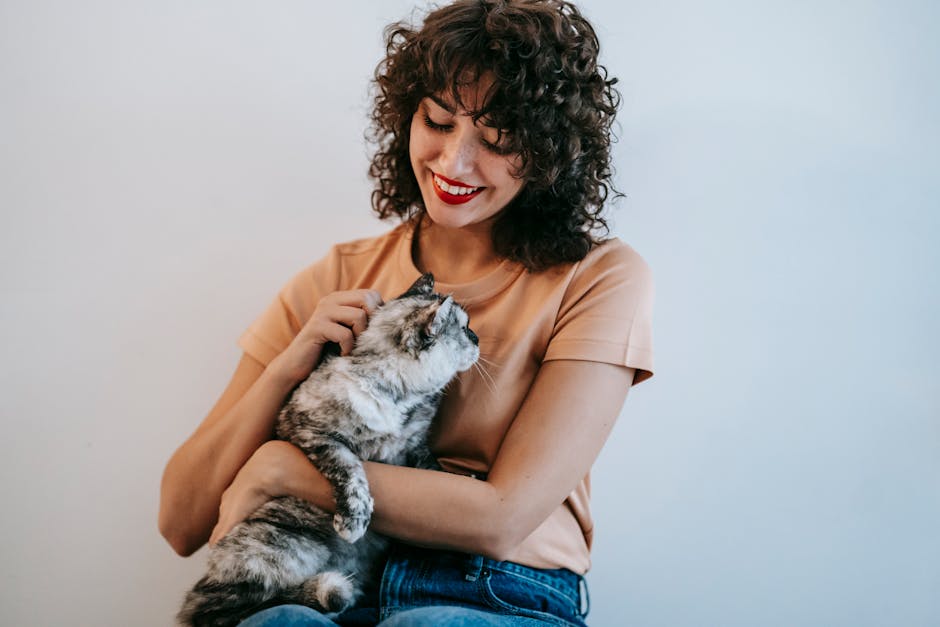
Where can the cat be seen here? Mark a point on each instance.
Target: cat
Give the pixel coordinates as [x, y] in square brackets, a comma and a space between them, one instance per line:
[374, 404]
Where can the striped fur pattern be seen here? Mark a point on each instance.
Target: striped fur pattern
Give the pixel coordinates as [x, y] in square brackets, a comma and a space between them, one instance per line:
[374, 404]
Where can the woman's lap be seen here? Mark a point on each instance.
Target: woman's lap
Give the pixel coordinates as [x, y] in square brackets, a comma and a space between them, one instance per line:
[423, 587]
[287, 616]
[431, 616]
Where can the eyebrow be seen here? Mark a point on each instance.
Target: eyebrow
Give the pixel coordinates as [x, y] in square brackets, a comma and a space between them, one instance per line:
[452, 110]
[443, 105]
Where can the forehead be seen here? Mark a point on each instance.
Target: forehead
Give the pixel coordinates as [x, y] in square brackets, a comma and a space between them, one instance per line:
[468, 97]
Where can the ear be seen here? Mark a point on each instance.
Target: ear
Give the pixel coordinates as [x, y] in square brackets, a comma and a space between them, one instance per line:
[436, 323]
[424, 286]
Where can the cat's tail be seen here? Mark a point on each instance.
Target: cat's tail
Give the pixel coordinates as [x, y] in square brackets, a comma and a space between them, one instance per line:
[222, 604]
[330, 591]
[216, 604]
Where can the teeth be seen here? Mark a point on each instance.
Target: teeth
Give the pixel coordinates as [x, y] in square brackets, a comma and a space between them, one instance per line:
[454, 189]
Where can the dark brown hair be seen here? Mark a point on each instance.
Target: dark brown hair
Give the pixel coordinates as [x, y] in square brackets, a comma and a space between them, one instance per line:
[549, 93]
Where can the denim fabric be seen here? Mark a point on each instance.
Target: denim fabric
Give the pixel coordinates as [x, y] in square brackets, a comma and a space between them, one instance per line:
[287, 616]
[427, 587]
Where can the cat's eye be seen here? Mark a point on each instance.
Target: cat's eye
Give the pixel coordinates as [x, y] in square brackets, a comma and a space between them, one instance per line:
[473, 336]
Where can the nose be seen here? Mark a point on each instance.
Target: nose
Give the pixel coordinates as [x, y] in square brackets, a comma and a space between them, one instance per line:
[459, 153]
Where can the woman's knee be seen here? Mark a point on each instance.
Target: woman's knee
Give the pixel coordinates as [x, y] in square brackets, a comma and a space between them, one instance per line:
[287, 616]
[443, 616]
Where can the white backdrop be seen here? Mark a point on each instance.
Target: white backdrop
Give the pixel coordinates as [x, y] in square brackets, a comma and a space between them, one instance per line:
[165, 166]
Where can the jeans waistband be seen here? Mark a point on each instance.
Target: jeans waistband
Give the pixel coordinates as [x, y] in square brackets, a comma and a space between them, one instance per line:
[566, 582]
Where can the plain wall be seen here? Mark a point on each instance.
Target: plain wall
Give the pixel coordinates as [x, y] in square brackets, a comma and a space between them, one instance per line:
[166, 166]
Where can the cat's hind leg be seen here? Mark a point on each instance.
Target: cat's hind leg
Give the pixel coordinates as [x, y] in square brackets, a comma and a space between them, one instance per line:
[329, 592]
[281, 545]
[221, 604]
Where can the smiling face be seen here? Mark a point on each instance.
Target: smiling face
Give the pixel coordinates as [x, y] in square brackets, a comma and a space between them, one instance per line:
[465, 175]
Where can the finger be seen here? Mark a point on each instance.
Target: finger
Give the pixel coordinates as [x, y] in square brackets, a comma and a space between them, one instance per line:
[372, 300]
[352, 317]
[342, 335]
[366, 299]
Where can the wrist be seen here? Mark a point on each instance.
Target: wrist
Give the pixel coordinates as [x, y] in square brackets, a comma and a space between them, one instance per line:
[286, 373]
[295, 475]
[288, 472]
[295, 364]
[273, 459]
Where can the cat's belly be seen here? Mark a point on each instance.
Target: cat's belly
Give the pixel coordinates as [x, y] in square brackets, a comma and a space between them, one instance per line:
[284, 543]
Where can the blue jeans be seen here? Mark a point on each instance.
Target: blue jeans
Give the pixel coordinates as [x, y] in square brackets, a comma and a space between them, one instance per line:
[422, 587]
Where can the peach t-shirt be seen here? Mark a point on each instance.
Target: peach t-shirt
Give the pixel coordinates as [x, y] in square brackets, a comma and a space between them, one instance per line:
[598, 309]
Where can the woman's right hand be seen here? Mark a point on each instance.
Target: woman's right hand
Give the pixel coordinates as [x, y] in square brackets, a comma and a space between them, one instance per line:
[339, 317]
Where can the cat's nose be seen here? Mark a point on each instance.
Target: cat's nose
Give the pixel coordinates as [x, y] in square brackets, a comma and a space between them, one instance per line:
[473, 337]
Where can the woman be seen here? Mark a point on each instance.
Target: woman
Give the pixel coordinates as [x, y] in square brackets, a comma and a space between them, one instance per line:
[493, 122]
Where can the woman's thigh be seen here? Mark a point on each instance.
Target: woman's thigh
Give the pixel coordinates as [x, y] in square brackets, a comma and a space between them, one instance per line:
[456, 617]
[474, 590]
[287, 616]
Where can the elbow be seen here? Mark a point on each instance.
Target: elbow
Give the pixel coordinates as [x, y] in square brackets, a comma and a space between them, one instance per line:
[182, 547]
[180, 543]
[180, 539]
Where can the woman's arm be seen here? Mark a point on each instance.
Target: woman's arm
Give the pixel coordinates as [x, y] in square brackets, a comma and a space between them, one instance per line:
[549, 448]
[205, 464]
[243, 419]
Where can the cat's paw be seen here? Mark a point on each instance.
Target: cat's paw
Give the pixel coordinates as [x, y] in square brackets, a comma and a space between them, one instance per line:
[331, 591]
[350, 528]
[353, 515]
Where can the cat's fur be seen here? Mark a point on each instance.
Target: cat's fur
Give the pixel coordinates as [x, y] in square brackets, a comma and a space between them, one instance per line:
[374, 404]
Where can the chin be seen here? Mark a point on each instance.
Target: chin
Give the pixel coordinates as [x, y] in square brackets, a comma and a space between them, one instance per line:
[452, 218]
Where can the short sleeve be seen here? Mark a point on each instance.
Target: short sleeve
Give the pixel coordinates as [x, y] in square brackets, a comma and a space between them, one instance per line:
[277, 326]
[606, 314]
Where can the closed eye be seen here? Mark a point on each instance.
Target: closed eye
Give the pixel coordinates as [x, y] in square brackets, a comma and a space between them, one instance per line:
[431, 124]
[497, 147]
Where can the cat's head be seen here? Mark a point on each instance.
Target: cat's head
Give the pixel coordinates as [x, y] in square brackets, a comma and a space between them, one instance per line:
[423, 332]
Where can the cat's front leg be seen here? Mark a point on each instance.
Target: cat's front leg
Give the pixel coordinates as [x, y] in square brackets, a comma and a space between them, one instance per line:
[343, 469]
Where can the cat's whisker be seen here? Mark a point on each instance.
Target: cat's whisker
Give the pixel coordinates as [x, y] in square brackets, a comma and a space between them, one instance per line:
[486, 377]
[485, 372]
[489, 362]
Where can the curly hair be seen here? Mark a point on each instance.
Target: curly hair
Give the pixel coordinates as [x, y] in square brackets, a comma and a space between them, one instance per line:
[549, 94]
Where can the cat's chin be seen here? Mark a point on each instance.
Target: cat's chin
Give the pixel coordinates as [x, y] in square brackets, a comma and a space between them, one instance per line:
[471, 359]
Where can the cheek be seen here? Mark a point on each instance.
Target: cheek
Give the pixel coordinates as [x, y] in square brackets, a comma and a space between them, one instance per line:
[413, 142]
[504, 170]
[420, 143]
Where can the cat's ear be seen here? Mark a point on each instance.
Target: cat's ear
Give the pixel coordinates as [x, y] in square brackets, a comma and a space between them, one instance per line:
[440, 316]
[426, 325]
[424, 286]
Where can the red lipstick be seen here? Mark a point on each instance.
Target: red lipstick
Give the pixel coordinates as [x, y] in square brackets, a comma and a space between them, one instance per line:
[453, 199]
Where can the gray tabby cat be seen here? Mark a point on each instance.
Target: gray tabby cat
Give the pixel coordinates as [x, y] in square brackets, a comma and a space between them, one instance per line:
[374, 404]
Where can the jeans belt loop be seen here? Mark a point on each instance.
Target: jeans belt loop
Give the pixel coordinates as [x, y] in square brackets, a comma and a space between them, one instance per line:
[584, 597]
[474, 568]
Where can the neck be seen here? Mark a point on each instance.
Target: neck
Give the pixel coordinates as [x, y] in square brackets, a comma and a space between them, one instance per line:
[454, 256]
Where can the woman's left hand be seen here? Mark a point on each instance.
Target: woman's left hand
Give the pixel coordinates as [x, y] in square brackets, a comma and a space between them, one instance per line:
[276, 469]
